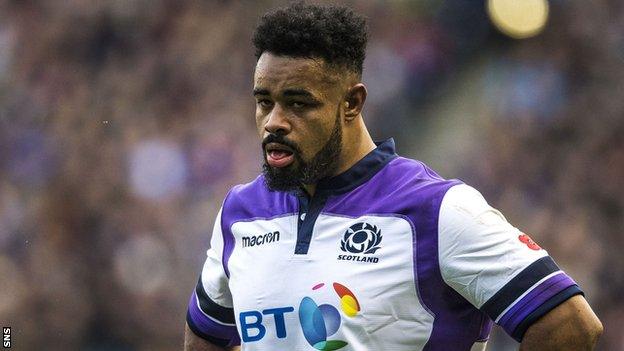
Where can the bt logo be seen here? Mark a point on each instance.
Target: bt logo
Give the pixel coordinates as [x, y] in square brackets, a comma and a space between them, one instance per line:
[317, 321]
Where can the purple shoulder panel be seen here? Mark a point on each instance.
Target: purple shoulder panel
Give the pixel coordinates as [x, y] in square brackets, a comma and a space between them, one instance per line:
[251, 201]
[399, 186]
[410, 189]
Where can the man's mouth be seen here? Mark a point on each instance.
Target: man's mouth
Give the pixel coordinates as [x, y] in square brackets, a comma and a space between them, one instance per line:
[279, 155]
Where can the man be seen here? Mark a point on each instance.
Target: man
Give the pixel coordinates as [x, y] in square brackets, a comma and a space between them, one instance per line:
[342, 244]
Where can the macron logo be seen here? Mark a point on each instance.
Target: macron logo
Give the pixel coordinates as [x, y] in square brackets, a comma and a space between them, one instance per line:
[261, 239]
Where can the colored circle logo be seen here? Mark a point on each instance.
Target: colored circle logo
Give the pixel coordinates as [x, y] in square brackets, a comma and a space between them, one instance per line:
[319, 322]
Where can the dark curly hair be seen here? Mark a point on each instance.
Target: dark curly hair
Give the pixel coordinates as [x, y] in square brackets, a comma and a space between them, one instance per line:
[334, 33]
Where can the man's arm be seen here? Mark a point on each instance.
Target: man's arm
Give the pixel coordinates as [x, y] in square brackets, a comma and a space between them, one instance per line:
[210, 315]
[193, 342]
[505, 274]
[570, 326]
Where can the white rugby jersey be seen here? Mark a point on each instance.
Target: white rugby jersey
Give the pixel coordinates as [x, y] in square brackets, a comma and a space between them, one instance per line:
[385, 256]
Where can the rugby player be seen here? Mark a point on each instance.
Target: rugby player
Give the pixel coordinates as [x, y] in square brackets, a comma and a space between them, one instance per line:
[341, 244]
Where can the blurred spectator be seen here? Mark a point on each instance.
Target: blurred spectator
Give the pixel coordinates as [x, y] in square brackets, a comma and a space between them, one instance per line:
[157, 169]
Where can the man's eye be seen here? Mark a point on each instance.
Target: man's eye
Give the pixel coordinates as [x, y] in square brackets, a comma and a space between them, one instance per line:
[298, 104]
[265, 103]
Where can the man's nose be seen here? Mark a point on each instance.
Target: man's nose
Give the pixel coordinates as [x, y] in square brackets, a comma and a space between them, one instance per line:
[277, 122]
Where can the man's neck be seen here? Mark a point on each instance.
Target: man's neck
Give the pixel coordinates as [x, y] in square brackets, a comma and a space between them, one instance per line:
[309, 189]
[350, 156]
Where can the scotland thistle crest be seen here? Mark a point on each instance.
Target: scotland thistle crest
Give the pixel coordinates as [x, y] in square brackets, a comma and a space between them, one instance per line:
[361, 238]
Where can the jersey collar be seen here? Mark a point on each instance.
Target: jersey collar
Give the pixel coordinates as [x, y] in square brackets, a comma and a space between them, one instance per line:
[361, 171]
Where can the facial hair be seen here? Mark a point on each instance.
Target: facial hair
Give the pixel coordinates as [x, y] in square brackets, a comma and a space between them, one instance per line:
[323, 164]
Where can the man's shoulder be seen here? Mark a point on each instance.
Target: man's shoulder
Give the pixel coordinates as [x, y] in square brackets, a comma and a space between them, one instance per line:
[252, 188]
[415, 169]
[403, 187]
[255, 200]
[414, 176]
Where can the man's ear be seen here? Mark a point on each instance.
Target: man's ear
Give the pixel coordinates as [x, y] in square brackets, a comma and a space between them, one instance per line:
[354, 101]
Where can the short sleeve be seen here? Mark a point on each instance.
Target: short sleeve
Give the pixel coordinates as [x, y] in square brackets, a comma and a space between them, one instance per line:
[495, 266]
[210, 314]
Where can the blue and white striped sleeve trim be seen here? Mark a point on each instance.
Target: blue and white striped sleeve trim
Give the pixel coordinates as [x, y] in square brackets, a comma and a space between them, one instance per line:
[531, 294]
[210, 320]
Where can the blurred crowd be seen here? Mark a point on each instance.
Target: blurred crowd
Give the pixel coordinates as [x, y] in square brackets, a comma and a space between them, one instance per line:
[551, 148]
[124, 123]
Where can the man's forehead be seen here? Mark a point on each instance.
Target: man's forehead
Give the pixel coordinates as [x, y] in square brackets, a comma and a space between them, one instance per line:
[275, 72]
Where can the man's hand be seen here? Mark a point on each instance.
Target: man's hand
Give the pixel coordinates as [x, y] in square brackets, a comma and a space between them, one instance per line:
[193, 342]
[569, 326]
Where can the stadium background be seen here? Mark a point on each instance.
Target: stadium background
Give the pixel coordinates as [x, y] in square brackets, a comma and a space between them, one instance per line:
[123, 123]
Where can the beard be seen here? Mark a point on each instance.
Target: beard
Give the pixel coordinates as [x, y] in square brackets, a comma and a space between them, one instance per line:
[291, 177]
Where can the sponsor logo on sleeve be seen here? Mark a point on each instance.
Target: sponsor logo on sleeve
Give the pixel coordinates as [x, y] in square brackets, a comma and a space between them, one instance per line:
[525, 239]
